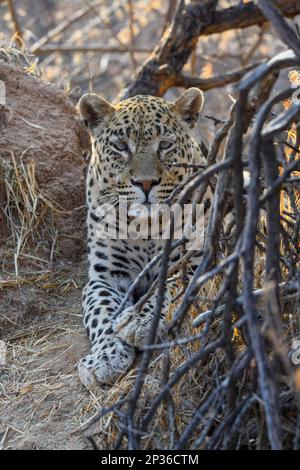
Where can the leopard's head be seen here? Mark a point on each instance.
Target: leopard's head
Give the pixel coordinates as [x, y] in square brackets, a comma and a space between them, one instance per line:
[136, 144]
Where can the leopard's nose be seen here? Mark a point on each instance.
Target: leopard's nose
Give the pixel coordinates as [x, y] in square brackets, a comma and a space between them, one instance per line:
[146, 185]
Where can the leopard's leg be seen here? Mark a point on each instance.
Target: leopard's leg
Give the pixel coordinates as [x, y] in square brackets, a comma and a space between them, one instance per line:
[133, 323]
[109, 356]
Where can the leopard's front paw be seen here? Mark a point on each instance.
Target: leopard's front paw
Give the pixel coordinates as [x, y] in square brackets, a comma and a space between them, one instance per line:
[106, 362]
[133, 326]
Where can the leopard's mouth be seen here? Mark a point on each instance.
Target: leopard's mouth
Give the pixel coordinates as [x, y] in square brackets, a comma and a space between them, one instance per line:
[148, 210]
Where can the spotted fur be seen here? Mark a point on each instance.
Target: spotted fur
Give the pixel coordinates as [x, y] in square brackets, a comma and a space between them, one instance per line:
[135, 143]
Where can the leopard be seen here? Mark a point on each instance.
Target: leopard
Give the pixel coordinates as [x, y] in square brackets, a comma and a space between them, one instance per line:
[143, 148]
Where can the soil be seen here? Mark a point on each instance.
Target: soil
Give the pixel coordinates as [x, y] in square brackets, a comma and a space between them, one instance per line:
[42, 400]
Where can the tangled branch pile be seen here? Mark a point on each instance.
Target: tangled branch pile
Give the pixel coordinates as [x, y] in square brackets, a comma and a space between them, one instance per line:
[237, 373]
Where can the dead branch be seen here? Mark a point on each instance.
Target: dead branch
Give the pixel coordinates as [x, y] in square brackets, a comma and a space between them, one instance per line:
[212, 82]
[70, 49]
[62, 27]
[284, 31]
[193, 20]
[16, 23]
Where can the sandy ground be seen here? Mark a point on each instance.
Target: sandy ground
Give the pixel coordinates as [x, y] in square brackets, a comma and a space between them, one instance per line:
[43, 405]
[42, 402]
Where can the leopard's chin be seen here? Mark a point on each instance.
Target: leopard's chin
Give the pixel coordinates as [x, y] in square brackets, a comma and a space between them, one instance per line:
[140, 210]
[148, 210]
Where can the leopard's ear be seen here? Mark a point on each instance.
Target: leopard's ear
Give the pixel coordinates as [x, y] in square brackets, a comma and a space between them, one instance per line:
[94, 110]
[189, 105]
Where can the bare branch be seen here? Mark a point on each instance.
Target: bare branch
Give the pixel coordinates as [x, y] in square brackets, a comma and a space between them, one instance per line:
[71, 49]
[16, 23]
[284, 31]
[193, 20]
[212, 82]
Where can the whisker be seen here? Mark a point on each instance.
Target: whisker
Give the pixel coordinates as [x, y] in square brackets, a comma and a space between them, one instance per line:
[100, 197]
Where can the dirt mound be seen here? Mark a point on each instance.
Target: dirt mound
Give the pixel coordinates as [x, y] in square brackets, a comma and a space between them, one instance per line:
[39, 130]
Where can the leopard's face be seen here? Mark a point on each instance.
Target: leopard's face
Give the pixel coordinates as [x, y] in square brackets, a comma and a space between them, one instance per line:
[139, 145]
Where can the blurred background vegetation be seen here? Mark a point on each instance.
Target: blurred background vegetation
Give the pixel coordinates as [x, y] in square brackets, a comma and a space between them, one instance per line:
[83, 45]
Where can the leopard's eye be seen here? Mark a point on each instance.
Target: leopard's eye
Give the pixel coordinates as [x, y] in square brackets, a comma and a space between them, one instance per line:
[164, 145]
[121, 146]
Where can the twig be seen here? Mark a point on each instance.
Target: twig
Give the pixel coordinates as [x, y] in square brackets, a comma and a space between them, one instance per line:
[213, 82]
[66, 48]
[131, 29]
[267, 386]
[16, 23]
[278, 62]
[212, 313]
[61, 27]
[195, 359]
[284, 31]
[152, 333]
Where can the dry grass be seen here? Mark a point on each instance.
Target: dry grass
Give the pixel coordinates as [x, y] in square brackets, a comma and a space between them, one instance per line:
[28, 213]
[19, 57]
